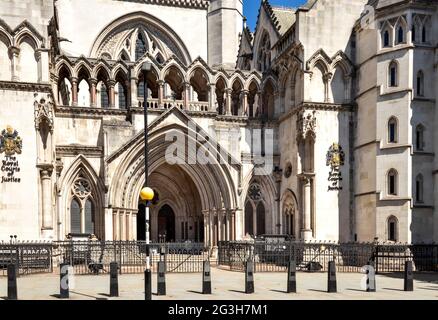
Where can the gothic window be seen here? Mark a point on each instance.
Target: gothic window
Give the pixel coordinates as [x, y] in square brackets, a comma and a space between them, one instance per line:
[386, 38]
[288, 217]
[423, 34]
[121, 96]
[255, 216]
[400, 35]
[140, 47]
[75, 216]
[104, 99]
[82, 208]
[392, 229]
[264, 56]
[393, 74]
[260, 219]
[420, 83]
[419, 188]
[249, 218]
[392, 182]
[392, 130]
[419, 138]
[414, 30]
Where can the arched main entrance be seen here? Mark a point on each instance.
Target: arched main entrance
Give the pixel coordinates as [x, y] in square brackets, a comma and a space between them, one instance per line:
[176, 215]
[166, 224]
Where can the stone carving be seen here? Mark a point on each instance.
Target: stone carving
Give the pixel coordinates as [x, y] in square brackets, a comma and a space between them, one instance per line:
[335, 159]
[288, 170]
[43, 113]
[306, 125]
[10, 142]
[255, 192]
[335, 156]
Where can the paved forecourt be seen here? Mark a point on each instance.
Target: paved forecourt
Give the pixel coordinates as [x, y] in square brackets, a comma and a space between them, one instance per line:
[227, 285]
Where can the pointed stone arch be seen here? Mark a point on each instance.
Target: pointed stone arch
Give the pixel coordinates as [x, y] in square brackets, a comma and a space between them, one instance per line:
[81, 168]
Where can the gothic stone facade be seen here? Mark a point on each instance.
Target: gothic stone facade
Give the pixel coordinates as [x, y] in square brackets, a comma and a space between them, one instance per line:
[342, 94]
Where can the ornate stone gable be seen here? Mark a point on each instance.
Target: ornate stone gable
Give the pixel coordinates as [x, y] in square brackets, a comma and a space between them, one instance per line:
[306, 124]
[43, 113]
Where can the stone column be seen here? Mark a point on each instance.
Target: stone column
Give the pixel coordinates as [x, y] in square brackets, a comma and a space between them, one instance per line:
[244, 107]
[134, 100]
[327, 93]
[93, 93]
[220, 217]
[111, 94]
[228, 102]
[212, 97]
[186, 95]
[306, 232]
[228, 218]
[74, 91]
[43, 63]
[14, 53]
[233, 225]
[160, 93]
[46, 196]
[207, 238]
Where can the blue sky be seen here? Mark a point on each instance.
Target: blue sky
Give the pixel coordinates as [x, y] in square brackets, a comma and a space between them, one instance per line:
[251, 8]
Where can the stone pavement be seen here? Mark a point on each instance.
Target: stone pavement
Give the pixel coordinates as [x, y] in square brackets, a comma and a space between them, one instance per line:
[228, 285]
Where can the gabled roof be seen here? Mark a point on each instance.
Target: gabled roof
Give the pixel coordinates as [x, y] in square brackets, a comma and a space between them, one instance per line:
[281, 17]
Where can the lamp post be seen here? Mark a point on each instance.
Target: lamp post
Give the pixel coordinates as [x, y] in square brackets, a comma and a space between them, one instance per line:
[146, 194]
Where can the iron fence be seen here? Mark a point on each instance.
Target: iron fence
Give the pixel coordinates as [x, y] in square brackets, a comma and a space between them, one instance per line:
[29, 257]
[94, 257]
[271, 256]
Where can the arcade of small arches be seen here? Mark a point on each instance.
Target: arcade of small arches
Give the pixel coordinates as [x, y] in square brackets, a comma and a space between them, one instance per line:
[120, 85]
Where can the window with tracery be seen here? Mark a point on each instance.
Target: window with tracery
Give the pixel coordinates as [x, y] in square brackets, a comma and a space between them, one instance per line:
[255, 216]
[82, 208]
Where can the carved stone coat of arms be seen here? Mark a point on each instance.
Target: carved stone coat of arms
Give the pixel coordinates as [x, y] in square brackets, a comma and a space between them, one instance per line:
[10, 142]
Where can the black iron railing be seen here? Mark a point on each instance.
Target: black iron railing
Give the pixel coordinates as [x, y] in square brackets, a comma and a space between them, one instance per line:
[94, 257]
[315, 256]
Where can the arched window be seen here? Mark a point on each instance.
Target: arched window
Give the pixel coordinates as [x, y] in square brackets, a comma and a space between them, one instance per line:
[392, 182]
[419, 188]
[82, 208]
[413, 33]
[420, 83]
[249, 219]
[392, 229]
[392, 130]
[423, 34]
[104, 99]
[140, 47]
[393, 74]
[419, 138]
[400, 35]
[75, 216]
[289, 217]
[261, 229]
[386, 38]
[264, 56]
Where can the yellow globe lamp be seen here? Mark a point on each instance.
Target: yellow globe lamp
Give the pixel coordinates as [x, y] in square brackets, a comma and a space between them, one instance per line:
[147, 194]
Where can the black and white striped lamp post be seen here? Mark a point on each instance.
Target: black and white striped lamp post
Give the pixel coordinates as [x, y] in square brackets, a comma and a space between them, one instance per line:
[146, 194]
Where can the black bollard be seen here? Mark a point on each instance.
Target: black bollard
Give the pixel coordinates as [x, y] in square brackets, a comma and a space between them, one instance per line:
[12, 282]
[64, 292]
[249, 277]
[206, 278]
[114, 279]
[371, 277]
[148, 284]
[291, 277]
[332, 277]
[409, 276]
[161, 279]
